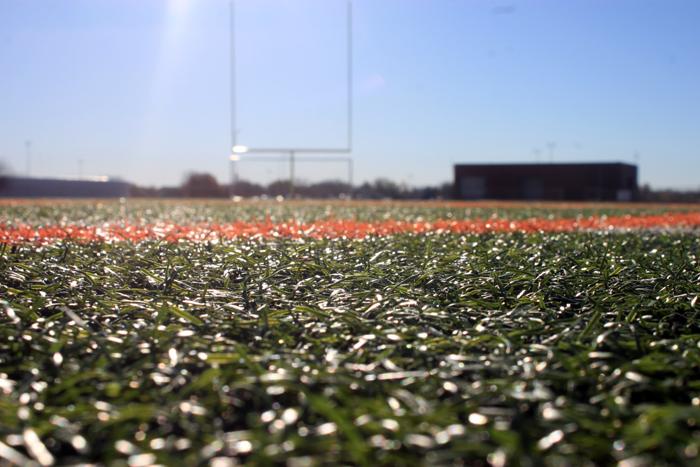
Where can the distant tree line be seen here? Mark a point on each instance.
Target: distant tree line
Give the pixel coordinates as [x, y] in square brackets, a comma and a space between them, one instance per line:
[204, 185]
[646, 193]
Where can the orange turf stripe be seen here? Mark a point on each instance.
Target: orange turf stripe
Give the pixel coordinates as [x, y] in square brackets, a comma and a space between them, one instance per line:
[333, 228]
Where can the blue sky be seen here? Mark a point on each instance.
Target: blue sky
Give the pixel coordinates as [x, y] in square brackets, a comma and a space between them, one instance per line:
[140, 89]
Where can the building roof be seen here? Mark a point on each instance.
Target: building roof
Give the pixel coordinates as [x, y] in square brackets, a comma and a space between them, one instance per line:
[545, 164]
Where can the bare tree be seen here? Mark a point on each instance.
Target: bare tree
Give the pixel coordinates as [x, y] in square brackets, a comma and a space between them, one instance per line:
[202, 185]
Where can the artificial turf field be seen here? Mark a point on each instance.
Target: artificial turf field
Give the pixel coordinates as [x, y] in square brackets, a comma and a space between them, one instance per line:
[576, 347]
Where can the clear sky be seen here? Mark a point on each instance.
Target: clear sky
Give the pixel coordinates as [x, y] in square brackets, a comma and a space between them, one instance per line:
[140, 88]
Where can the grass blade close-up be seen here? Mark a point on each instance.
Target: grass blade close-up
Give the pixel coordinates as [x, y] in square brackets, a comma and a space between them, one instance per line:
[503, 346]
[349, 232]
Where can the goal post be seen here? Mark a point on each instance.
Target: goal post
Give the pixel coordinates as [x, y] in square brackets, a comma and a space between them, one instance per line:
[240, 150]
